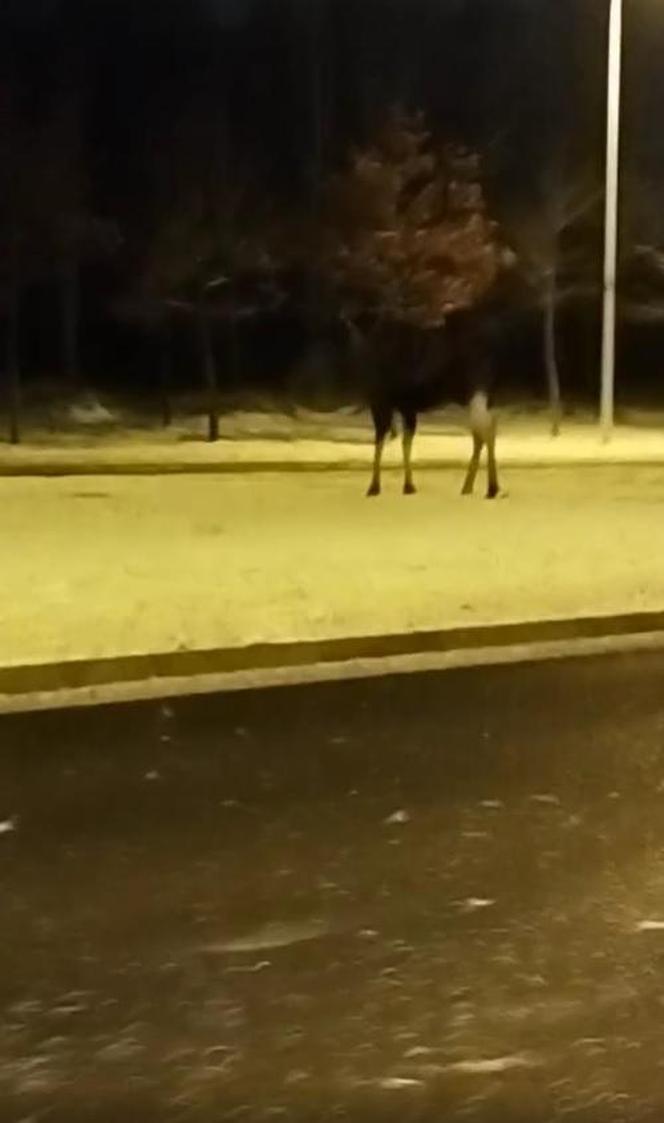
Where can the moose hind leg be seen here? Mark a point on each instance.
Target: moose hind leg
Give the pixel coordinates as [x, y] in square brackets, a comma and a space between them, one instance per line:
[473, 465]
[493, 488]
[382, 419]
[409, 427]
[483, 428]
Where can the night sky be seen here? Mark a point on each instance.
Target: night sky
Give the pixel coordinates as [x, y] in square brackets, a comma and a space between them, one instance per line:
[289, 81]
[167, 89]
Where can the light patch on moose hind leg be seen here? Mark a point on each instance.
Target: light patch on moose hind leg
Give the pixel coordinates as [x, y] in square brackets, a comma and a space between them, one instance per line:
[483, 427]
[482, 420]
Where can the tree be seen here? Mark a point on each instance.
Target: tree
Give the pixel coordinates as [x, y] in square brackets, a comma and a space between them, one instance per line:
[406, 237]
[46, 228]
[69, 231]
[144, 305]
[213, 258]
[177, 274]
[16, 240]
[642, 247]
[12, 301]
[555, 259]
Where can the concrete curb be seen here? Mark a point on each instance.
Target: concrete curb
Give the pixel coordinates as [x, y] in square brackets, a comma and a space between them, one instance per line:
[89, 681]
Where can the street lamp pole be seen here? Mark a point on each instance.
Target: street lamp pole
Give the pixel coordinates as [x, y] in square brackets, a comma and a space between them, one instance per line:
[607, 396]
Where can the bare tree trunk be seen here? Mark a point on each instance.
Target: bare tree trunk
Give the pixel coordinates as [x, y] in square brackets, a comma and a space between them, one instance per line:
[316, 41]
[13, 363]
[550, 357]
[70, 313]
[165, 342]
[235, 354]
[209, 366]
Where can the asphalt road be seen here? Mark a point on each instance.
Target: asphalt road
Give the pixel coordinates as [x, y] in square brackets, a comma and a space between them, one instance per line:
[425, 898]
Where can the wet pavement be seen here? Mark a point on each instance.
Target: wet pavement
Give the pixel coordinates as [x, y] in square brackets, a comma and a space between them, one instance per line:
[428, 898]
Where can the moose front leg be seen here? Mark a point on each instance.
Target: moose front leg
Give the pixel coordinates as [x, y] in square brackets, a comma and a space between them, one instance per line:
[409, 427]
[382, 419]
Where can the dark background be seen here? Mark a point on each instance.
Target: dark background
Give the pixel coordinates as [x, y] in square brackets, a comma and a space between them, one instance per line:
[160, 94]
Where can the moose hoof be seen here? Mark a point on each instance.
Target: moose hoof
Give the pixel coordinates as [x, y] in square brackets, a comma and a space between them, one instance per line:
[493, 493]
[374, 489]
[409, 488]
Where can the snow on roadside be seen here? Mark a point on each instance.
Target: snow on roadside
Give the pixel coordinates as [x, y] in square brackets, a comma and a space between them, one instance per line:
[341, 438]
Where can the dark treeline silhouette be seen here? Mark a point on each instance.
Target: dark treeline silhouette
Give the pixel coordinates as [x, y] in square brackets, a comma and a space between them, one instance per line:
[166, 172]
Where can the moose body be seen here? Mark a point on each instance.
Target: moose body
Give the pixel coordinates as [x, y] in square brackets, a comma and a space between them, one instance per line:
[409, 371]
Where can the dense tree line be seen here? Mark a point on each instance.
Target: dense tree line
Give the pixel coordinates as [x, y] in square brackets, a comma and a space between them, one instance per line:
[216, 162]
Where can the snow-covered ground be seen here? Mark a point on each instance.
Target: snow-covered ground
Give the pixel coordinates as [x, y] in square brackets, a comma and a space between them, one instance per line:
[98, 440]
[110, 565]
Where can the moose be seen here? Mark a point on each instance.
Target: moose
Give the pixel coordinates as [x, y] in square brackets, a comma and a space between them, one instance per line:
[407, 371]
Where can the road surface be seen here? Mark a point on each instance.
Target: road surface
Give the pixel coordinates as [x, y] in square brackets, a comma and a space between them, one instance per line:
[436, 897]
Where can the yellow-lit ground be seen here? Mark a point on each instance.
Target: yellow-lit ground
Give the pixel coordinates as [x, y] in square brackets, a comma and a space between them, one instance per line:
[313, 440]
[106, 565]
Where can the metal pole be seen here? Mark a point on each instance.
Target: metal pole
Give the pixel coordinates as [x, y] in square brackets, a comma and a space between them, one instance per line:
[611, 220]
